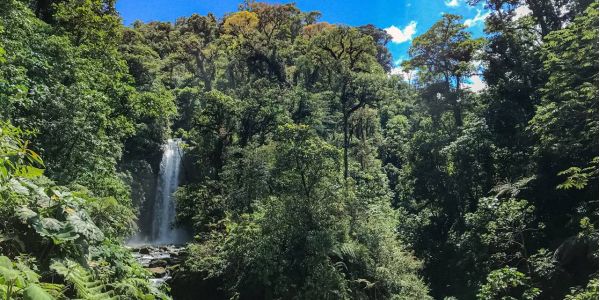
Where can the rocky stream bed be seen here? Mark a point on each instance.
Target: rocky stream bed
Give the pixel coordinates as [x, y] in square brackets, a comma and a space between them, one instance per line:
[161, 261]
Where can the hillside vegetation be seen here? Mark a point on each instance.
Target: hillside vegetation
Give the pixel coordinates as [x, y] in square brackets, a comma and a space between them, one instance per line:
[313, 168]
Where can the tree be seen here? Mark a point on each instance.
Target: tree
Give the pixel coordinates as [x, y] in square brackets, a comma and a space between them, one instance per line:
[343, 65]
[507, 284]
[550, 15]
[381, 38]
[214, 130]
[444, 54]
[300, 239]
[571, 90]
[196, 38]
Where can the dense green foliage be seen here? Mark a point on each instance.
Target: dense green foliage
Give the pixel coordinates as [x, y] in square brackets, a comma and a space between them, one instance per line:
[62, 240]
[311, 171]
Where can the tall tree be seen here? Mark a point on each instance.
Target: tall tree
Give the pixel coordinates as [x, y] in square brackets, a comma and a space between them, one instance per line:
[444, 54]
[343, 60]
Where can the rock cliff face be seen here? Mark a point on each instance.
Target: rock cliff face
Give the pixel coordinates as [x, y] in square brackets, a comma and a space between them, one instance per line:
[143, 192]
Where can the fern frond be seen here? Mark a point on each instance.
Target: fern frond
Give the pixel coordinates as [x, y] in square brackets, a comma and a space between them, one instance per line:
[82, 281]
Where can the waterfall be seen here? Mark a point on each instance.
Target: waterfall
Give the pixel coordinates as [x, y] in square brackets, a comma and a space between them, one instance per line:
[160, 229]
[164, 205]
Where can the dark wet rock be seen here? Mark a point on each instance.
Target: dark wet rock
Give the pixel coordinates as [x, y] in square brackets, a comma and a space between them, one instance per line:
[574, 259]
[143, 165]
[191, 286]
[158, 263]
[575, 252]
[144, 250]
[174, 261]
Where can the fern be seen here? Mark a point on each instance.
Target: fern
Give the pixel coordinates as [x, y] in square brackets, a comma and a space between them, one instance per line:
[512, 189]
[347, 254]
[55, 290]
[346, 251]
[83, 283]
[138, 288]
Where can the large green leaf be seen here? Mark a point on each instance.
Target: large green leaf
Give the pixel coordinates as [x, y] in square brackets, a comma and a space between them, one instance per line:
[35, 292]
[29, 172]
[5, 262]
[36, 191]
[83, 225]
[63, 234]
[18, 187]
[8, 274]
[52, 224]
[26, 214]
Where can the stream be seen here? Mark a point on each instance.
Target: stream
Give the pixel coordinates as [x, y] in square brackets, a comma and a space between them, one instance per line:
[159, 260]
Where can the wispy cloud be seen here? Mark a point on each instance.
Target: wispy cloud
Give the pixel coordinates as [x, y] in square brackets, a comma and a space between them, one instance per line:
[406, 75]
[452, 3]
[479, 18]
[402, 35]
[475, 84]
[522, 11]
[399, 61]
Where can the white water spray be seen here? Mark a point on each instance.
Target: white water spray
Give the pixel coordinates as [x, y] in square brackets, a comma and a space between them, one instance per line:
[162, 230]
[164, 205]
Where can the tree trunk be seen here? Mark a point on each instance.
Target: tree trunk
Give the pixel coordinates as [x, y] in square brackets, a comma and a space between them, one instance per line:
[456, 104]
[346, 145]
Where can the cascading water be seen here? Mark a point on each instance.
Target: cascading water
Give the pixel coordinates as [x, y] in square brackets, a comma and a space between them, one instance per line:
[160, 248]
[160, 230]
[164, 206]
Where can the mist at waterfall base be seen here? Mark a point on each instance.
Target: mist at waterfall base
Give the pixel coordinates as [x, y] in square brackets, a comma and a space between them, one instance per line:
[162, 231]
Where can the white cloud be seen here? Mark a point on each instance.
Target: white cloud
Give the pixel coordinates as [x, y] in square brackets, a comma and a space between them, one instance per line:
[396, 71]
[476, 84]
[402, 35]
[522, 11]
[406, 75]
[451, 3]
[477, 19]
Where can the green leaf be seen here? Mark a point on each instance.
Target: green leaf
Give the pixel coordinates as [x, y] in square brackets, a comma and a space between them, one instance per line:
[26, 214]
[9, 274]
[52, 224]
[35, 292]
[64, 234]
[5, 262]
[18, 187]
[84, 226]
[29, 172]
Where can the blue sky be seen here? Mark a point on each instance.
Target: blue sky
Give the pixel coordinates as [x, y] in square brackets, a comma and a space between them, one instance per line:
[403, 19]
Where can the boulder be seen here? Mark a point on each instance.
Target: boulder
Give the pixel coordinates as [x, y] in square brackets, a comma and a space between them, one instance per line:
[174, 260]
[158, 263]
[144, 250]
